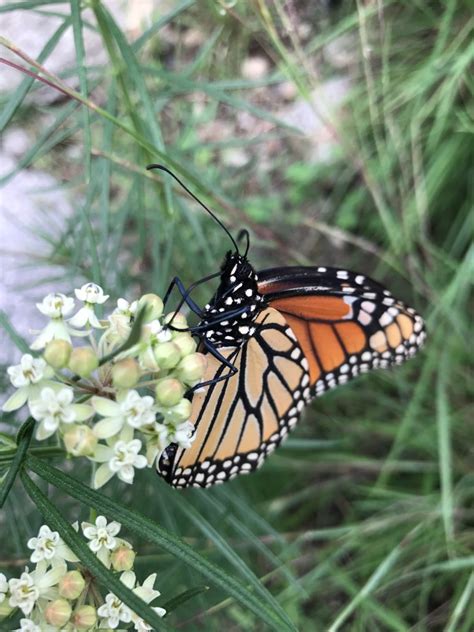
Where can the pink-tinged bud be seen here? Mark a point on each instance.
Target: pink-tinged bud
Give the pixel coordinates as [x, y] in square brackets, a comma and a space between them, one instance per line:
[167, 354]
[177, 320]
[192, 367]
[169, 391]
[122, 558]
[125, 373]
[57, 353]
[85, 617]
[80, 440]
[154, 306]
[71, 585]
[185, 342]
[58, 612]
[83, 361]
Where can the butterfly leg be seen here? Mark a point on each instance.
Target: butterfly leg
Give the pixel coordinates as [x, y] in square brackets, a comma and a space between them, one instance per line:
[214, 352]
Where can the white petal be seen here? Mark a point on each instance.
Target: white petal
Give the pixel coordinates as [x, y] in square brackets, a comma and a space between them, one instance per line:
[17, 400]
[51, 577]
[101, 454]
[82, 411]
[102, 476]
[105, 407]
[108, 427]
[44, 431]
[128, 578]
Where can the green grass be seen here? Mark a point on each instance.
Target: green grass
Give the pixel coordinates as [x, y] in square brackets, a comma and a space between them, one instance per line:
[363, 520]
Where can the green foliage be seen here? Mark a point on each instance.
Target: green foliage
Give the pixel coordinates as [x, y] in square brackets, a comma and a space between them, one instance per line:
[363, 520]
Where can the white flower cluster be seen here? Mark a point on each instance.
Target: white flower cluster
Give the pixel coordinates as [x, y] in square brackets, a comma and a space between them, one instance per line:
[56, 596]
[122, 413]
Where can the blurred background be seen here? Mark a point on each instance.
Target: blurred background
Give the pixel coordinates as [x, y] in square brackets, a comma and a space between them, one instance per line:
[338, 133]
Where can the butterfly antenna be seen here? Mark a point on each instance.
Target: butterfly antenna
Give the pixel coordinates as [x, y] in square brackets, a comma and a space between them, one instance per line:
[181, 183]
[244, 233]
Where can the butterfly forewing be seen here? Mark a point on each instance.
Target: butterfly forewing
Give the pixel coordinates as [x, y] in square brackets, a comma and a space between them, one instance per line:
[239, 421]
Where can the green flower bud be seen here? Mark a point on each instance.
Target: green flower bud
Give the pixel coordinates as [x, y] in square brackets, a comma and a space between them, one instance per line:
[85, 617]
[179, 320]
[122, 558]
[167, 355]
[83, 361]
[58, 612]
[57, 353]
[185, 342]
[192, 367]
[80, 440]
[125, 373]
[71, 585]
[169, 391]
[154, 306]
[180, 412]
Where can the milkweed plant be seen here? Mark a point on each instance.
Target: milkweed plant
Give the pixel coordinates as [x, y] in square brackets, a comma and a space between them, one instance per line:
[59, 594]
[118, 404]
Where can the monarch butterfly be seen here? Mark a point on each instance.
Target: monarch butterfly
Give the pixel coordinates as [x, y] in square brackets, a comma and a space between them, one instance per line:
[274, 340]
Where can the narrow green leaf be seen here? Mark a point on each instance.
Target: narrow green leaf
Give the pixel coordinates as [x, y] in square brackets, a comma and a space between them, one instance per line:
[12, 333]
[152, 532]
[177, 601]
[78, 546]
[23, 441]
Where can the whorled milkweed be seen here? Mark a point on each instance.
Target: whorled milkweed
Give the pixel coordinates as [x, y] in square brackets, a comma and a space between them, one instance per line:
[274, 341]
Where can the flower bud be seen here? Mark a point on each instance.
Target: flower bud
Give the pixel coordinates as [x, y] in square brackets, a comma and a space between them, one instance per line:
[169, 391]
[192, 367]
[180, 412]
[83, 361]
[167, 354]
[58, 612]
[154, 306]
[177, 320]
[85, 617]
[122, 558]
[80, 440]
[71, 585]
[125, 373]
[185, 342]
[57, 353]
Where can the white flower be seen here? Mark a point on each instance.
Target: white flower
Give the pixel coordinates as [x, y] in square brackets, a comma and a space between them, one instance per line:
[131, 408]
[114, 611]
[91, 293]
[27, 625]
[102, 534]
[147, 593]
[121, 459]
[53, 408]
[183, 434]
[56, 305]
[118, 329]
[49, 546]
[157, 333]
[29, 371]
[23, 592]
[125, 308]
[26, 377]
[3, 587]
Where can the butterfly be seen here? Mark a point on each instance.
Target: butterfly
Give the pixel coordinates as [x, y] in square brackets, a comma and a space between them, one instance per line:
[274, 340]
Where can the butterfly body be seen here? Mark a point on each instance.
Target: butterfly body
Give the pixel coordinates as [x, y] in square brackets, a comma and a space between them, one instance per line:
[228, 318]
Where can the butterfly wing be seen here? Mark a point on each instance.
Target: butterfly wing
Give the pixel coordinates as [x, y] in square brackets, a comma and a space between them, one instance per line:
[345, 323]
[239, 421]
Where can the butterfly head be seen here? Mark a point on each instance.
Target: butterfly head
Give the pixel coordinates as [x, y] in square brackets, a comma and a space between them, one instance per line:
[236, 297]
